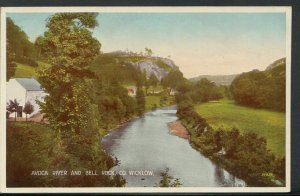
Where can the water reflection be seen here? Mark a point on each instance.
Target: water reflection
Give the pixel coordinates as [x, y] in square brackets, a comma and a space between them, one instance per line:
[224, 179]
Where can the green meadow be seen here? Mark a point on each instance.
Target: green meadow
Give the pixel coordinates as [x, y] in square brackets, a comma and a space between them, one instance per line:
[226, 114]
[26, 71]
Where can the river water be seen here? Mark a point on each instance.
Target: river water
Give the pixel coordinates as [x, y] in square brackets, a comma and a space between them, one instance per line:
[145, 145]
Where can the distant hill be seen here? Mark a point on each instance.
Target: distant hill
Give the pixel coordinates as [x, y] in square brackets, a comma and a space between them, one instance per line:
[218, 79]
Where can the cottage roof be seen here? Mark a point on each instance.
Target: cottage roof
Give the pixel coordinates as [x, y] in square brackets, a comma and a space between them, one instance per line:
[29, 84]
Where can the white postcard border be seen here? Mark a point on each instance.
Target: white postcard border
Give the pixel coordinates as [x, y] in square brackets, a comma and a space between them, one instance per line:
[156, 9]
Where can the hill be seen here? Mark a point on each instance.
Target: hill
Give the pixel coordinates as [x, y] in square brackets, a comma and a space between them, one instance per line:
[217, 79]
[277, 63]
[126, 67]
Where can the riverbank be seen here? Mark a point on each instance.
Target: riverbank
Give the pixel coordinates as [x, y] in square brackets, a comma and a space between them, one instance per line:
[176, 128]
[256, 166]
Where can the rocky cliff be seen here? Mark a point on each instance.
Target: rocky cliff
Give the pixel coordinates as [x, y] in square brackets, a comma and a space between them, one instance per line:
[158, 66]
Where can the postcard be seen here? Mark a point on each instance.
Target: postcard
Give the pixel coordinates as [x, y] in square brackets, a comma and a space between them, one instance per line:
[145, 99]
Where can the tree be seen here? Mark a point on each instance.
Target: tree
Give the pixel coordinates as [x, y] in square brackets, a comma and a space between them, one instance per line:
[28, 108]
[13, 106]
[261, 89]
[69, 46]
[140, 99]
[144, 78]
[20, 45]
[38, 45]
[153, 80]
[10, 61]
[205, 90]
[168, 181]
[69, 41]
[173, 79]
[148, 51]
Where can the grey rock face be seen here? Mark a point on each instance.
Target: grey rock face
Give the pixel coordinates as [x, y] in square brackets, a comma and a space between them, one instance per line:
[151, 67]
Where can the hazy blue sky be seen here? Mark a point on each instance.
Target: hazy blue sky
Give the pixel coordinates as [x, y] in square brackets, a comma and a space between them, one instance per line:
[199, 43]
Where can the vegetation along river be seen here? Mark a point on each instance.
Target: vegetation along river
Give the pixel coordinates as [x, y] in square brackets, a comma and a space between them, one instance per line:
[145, 145]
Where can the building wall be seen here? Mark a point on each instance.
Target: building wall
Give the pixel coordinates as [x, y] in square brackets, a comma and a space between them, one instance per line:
[14, 90]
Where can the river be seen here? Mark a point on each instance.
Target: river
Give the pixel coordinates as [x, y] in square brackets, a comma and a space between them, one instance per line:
[145, 145]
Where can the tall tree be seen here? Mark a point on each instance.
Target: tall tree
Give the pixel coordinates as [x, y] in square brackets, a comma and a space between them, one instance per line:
[140, 99]
[70, 47]
[38, 43]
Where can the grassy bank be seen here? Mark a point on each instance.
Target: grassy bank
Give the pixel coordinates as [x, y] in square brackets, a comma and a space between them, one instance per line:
[268, 124]
[26, 71]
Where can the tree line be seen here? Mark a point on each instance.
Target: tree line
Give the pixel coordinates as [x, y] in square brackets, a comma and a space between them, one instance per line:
[261, 89]
[19, 48]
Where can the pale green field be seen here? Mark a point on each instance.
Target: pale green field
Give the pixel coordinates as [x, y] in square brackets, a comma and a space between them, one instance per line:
[266, 123]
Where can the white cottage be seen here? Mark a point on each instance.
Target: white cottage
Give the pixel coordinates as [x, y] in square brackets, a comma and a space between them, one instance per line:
[23, 90]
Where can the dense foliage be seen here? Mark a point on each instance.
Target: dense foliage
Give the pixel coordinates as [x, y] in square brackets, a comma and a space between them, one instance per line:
[10, 61]
[140, 98]
[19, 45]
[261, 89]
[113, 103]
[199, 92]
[112, 67]
[173, 79]
[35, 147]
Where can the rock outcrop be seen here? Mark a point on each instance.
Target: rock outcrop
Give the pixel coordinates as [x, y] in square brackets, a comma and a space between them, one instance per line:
[153, 65]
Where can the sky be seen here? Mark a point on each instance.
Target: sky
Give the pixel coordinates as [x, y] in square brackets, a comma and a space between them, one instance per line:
[199, 43]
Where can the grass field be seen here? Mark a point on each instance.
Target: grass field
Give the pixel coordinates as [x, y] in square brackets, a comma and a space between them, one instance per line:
[152, 100]
[26, 71]
[266, 123]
